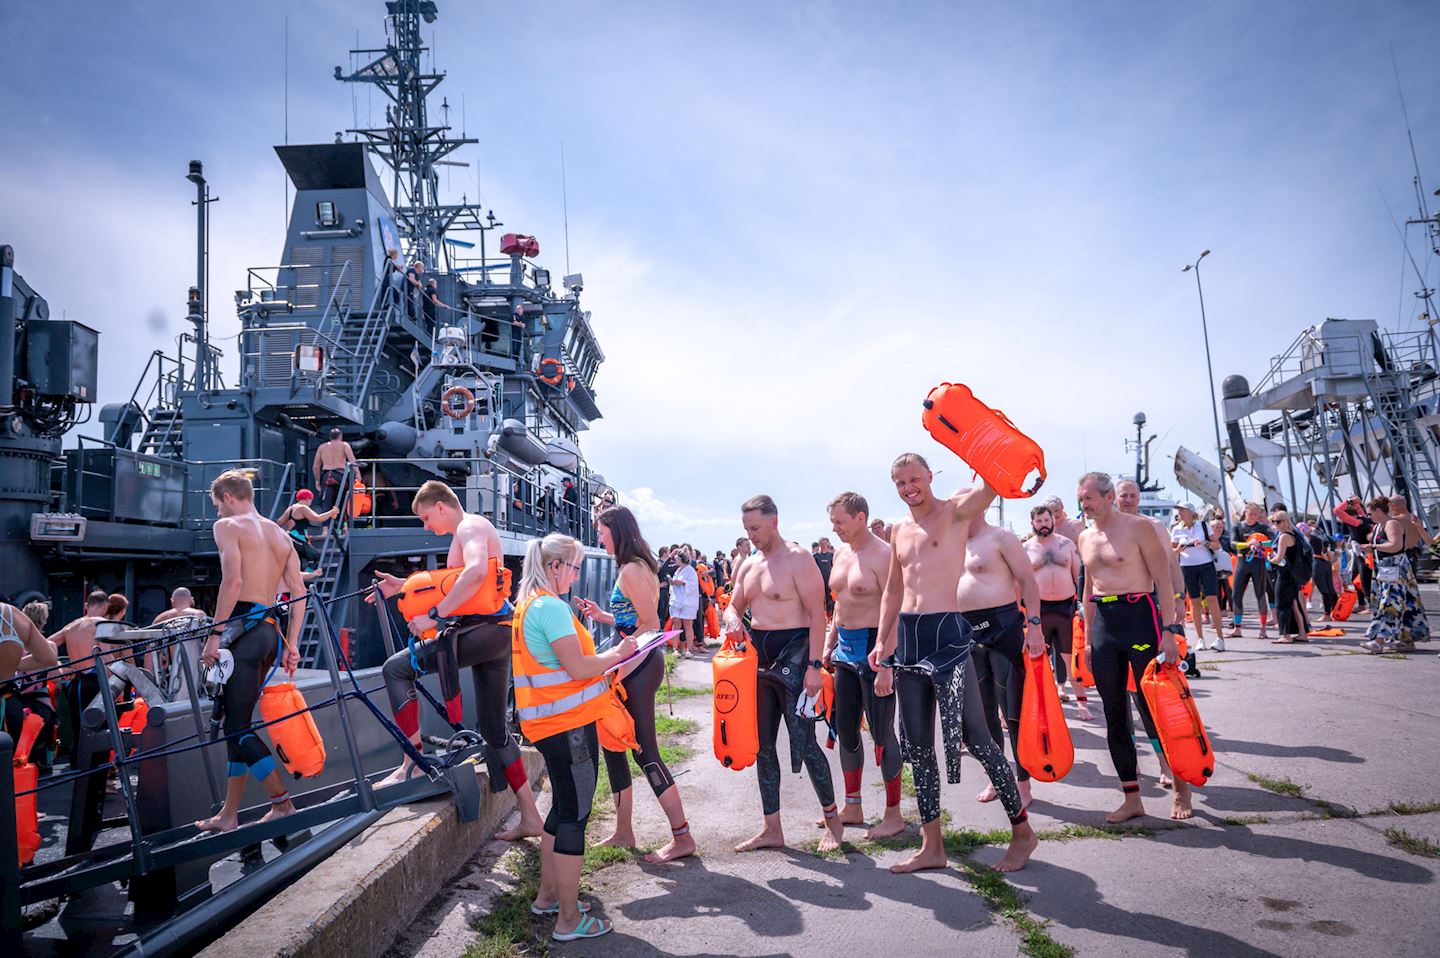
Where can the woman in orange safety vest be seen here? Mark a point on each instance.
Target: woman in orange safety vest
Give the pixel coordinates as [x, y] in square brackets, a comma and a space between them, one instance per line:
[560, 692]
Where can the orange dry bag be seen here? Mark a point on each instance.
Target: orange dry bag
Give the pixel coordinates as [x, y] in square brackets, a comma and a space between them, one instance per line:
[737, 732]
[424, 589]
[297, 741]
[360, 500]
[1044, 746]
[988, 442]
[1345, 605]
[27, 776]
[1182, 734]
[1182, 649]
[712, 622]
[616, 726]
[1079, 668]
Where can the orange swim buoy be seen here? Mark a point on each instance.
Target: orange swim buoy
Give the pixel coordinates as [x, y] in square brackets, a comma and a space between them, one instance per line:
[1044, 747]
[1345, 605]
[459, 410]
[361, 501]
[423, 591]
[297, 740]
[1182, 734]
[737, 731]
[988, 441]
[1079, 668]
[712, 622]
[27, 776]
[550, 371]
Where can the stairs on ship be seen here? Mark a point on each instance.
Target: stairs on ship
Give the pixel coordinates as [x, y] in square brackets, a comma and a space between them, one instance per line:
[163, 435]
[334, 552]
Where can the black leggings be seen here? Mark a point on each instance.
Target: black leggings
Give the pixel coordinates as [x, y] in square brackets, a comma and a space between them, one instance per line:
[1124, 637]
[570, 763]
[1222, 591]
[640, 688]
[962, 719]
[1323, 575]
[1000, 672]
[1250, 574]
[782, 661]
[254, 651]
[855, 698]
[1057, 625]
[484, 647]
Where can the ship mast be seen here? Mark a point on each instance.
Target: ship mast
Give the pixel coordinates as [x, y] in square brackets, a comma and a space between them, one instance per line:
[408, 143]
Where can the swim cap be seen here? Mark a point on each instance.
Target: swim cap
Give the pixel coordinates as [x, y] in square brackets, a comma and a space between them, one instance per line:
[304, 495]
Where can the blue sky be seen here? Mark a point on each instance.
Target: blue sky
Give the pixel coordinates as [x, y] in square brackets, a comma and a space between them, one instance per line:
[793, 219]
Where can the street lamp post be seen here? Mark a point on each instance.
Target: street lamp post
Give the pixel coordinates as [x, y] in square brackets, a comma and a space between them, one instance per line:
[1210, 370]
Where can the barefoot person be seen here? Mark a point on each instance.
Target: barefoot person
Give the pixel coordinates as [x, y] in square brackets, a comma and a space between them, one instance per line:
[479, 642]
[256, 564]
[1055, 560]
[996, 571]
[1125, 562]
[780, 586]
[560, 693]
[331, 458]
[858, 580]
[182, 603]
[23, 647]
[634, 604]
[927, 641]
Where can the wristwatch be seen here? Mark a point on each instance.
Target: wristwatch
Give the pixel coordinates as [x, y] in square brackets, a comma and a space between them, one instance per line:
[1033, 620]
[1175, 629]
[816, 664]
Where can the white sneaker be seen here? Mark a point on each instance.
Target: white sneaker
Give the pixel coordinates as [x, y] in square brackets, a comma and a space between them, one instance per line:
[1200, 643]
[1218, 646]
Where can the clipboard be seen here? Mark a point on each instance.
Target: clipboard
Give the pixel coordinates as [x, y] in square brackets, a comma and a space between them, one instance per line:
[646, 643]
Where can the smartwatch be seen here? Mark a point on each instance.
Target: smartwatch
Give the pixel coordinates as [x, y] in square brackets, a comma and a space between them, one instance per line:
[1033, 620]
[816, 664]
[1175, 629]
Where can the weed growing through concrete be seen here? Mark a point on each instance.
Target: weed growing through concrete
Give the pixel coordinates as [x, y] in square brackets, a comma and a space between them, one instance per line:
[1414, 844]
[1002, 898]
[1242, 820]
[1406, 808]
[1280, 786]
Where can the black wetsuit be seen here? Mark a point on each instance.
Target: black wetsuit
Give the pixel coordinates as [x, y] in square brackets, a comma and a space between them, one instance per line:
[999, 635]
[932, 664]
[855, 699]
[254, 642]
[1250, 571]
[640, 688]
[1124, 637]
[1057, 626]
[300, 539]
[1290, 618]
[481, 643]
[784, 655]
[1322, 573]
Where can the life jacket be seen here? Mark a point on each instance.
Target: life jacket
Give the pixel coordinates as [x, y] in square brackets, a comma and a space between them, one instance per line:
[27, 776]
[361, 501]
[548, 700]
[297, 739]
[988, 441]
[1177, 720]
[1043, 746]
[423, 591]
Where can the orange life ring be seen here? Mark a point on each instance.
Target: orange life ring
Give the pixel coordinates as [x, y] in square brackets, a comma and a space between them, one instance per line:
[554, 378]
[453, 411]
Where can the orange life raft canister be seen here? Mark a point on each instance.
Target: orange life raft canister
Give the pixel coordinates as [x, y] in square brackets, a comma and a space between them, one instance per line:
[1182, 734]
[987, 441]
[297, 740]
[27, 776]
[423, 591]
[737, 732]
[1044, 745]
[1079, 668]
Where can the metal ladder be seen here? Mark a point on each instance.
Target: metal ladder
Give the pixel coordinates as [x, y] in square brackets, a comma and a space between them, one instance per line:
[331, 565]
[1411, 448]
[358, 346]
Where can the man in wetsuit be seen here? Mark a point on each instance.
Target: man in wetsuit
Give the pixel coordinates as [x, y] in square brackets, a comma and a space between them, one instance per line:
[780, 586]
[1055, 560]
[331, 457]
[924, 649]
[256, 563]
[858, 580]
[1125, 563]
[481, 642]
[824, 554]
[996, 571]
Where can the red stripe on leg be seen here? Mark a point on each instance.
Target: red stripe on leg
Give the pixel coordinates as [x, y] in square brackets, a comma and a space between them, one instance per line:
[407, 717]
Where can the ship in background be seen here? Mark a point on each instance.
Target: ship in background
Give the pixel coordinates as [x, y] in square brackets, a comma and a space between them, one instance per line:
[490, 398]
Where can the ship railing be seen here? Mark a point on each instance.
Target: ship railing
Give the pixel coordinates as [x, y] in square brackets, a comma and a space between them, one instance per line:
[270, 351]
[274, 295]
[284, 491]
[269, 477]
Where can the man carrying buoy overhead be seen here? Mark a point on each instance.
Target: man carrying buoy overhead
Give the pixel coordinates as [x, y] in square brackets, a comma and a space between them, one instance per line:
[858, 581]
[1125, 562]
[481, 642]
[780, 586]
[927, 641]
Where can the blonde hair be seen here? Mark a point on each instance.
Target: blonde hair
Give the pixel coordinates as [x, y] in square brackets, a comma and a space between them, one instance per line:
[538, 555]
[235, 483]
[37, 612]
[434, 493]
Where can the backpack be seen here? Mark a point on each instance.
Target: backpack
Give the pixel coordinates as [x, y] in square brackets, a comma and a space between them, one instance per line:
[1304, 566]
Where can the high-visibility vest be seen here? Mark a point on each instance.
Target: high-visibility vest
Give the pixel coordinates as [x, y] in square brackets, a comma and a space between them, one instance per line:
[549, 701]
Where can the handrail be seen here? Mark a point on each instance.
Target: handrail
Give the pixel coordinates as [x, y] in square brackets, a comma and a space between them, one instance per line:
[281, 490]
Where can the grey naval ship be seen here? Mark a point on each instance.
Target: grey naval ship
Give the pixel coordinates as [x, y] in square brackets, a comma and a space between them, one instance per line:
[487, 388]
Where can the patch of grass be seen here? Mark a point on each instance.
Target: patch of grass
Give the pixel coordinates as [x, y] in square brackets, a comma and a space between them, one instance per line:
[1405, 808]
[963, 841]
[907, 782]
[603, 856]
[683, 692]
[1280, 786]
[664, 725]
[1393, 655]
[1242, 820]
[1073, 831]
[1002, 898]
[509, 930]
[1414, 844]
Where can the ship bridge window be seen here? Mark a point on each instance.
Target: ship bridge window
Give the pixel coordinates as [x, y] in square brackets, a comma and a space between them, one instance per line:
[327, 214]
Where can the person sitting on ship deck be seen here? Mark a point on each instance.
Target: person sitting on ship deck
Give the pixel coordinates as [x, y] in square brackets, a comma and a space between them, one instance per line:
[181, 603]
[296, 521]
[33, 696]
[331, 458]
[23, 647]
[77, 641]
[479, 642]
[257, 562]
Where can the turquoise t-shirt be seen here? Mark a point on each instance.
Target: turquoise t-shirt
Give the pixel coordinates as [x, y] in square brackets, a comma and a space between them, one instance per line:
[547, 620]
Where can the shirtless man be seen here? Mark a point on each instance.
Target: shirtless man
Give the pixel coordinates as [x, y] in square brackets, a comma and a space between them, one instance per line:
[924, 649]
[256, 564]
[181, 603]
[78, 642]
[996, 571]
[77, 638]
[329, 467]
[1055, 560]
[481, 642]
[23, 647]
[858, 580]
[1064, 525]
[780, 586]
[1125, 562]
